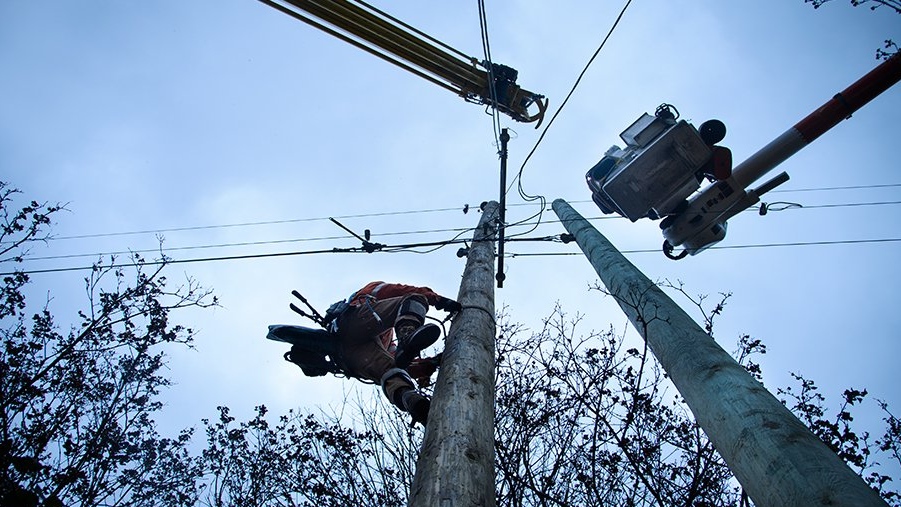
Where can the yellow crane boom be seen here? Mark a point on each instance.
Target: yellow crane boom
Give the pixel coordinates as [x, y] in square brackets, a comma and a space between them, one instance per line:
[382, 35]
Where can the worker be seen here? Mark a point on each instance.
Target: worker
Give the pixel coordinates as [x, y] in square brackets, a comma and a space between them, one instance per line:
[365, 332]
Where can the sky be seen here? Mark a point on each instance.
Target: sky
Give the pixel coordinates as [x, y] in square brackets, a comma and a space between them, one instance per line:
[190, 120]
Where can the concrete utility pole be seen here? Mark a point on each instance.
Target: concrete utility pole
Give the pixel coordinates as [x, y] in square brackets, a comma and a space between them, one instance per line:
[777, 459]
[456, 463]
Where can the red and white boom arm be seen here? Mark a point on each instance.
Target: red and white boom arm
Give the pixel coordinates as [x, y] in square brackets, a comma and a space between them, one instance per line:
[703, 223]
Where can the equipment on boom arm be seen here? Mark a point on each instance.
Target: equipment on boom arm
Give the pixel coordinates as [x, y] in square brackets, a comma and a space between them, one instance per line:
[382, 35]
[658, 173]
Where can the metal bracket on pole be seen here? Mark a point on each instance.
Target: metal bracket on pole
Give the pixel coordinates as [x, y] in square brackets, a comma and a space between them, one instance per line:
[502, 211]
[367, 247]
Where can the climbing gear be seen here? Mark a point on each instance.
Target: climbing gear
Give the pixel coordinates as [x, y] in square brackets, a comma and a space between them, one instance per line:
[409, 346]
[417, 405]
[407, 398]
[422, 369]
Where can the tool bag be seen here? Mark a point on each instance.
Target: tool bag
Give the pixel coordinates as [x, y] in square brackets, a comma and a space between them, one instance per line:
[330, 320]
[314, 350]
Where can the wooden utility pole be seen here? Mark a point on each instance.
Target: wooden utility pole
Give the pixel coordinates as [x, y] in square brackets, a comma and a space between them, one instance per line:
[456, 463]
[777, 459]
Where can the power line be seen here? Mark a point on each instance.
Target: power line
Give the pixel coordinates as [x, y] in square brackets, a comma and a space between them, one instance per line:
[408, 247]
[846, 205]
[850, 187]
[396, 213]
[400, 233]
[386, 248]
[186, 261]
[732, 247]
[251, 224]
[518, 178]
[753, 209]
[244, 243]
[571, 92]
[565, 101]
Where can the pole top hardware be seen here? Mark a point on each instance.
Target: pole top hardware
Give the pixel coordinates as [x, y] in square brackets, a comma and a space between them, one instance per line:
[367, 246]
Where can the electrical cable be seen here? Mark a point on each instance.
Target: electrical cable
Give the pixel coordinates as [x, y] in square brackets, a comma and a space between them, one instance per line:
[847, 205]
[441, 244]
[766, 207]
[732, 247]
[570, 94]
[850, 187]
[396, 248]
[250, 224]
[460, 231]
[454, 240]
[572, 90]
[413, 212]
[244, 243]
[365, 248]
[752, 209]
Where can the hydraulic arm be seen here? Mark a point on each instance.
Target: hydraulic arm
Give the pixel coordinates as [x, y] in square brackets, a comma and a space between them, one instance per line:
[382, 35]
[660, 170]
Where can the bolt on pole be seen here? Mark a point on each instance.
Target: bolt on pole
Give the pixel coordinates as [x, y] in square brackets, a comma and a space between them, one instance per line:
[777, 459]
[456, 462]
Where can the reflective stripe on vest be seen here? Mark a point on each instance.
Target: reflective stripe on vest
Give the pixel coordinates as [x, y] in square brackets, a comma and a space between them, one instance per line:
[377, 289]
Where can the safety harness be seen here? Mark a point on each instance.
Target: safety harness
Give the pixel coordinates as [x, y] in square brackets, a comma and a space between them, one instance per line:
[315, 351]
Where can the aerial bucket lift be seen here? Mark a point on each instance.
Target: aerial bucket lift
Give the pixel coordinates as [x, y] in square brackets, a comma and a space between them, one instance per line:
[659, 172]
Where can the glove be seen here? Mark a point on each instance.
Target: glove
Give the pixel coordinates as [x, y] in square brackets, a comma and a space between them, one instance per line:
[448, 305]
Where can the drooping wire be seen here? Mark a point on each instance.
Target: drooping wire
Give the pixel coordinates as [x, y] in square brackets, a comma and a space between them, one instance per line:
[572, 90]
[570, 94]
[454, 240]
[766, 207]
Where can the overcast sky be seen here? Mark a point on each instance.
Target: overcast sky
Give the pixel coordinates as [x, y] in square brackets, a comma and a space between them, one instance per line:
[193, 118]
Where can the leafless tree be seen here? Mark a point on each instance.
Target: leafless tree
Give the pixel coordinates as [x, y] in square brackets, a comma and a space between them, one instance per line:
[76, 400]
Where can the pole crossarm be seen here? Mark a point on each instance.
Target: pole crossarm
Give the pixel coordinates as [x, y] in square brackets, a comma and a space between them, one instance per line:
[774, 456]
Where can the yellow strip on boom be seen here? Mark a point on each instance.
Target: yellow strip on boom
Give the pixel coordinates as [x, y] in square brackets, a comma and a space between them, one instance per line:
[382, 35]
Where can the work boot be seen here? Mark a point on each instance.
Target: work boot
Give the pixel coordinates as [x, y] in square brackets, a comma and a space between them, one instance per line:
[412, 340]
[417, 404]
